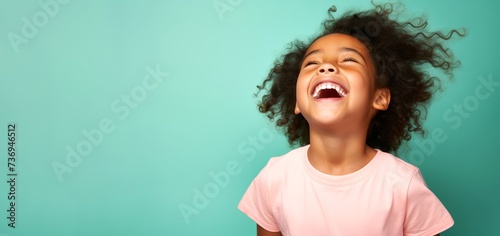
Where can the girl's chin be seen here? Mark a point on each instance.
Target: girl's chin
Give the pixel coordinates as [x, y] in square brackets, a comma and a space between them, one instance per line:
[324, 121]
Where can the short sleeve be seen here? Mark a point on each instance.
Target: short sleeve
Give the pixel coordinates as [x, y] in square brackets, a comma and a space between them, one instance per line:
[425, 214]
[256, 202]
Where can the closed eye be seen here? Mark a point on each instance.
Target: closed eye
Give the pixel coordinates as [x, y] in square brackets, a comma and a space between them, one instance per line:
[349, 59]
[311, 63]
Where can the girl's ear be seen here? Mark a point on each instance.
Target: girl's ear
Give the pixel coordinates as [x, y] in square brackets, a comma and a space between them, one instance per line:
[382, 99]
[297, 110]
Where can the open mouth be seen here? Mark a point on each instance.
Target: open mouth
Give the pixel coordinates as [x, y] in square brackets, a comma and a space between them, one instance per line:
[329, 90]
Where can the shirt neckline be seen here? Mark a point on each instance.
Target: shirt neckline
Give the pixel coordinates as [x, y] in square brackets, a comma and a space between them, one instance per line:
[341, 180]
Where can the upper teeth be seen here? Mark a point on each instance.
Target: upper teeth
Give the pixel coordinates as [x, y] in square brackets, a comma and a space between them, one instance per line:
[329, 85]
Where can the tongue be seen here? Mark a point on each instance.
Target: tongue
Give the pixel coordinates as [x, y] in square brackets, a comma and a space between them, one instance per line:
[328, 93]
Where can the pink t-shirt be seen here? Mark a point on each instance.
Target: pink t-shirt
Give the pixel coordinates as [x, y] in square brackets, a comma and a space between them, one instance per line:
[387, 197]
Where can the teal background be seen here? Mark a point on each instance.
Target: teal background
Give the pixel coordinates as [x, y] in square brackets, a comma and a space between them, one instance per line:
[202, 118]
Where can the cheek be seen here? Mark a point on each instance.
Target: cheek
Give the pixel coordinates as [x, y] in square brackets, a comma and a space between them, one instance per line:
[301, 83]
[304, 78]
[362, 90]
[299, 91]
[362, 79]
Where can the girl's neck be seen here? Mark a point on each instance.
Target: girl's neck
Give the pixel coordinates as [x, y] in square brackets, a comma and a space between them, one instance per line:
[339, 154]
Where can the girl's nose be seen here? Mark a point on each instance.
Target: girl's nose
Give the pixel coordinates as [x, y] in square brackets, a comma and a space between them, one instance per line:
[326, 69]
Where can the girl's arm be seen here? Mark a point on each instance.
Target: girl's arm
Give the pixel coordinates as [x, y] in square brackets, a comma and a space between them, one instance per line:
[262, 232]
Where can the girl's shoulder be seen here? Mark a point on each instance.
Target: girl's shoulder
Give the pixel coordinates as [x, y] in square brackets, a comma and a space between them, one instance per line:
[396, 168]
[279, 168]
[293, 157]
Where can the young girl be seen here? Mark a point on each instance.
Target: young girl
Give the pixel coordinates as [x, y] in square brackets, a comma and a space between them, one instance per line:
[350, 97]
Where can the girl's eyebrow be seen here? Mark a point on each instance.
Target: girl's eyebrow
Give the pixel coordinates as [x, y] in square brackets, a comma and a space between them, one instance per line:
[343, 49]
[353, 50]
[308, 54]
[312, 52]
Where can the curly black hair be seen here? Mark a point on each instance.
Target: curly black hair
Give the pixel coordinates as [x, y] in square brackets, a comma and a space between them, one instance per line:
[401, 52]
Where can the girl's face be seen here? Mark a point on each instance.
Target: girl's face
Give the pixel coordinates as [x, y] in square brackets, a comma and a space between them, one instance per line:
[336, 84]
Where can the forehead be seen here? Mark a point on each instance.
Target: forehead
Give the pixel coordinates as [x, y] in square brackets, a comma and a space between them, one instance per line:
[337, 41]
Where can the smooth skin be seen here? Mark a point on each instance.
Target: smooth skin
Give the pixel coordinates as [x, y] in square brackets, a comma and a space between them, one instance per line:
[262, 232]
[338, 127]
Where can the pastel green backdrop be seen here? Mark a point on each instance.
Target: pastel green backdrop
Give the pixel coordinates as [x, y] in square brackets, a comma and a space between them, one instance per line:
[137, 117]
